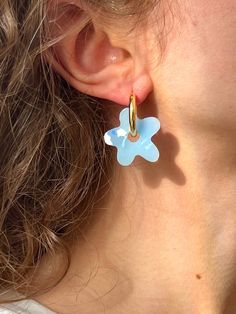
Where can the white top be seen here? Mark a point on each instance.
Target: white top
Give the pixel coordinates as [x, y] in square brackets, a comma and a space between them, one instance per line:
[24, 307]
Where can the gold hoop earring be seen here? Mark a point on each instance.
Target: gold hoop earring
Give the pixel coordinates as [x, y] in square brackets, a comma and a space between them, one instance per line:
[133, 116]
[133, 137]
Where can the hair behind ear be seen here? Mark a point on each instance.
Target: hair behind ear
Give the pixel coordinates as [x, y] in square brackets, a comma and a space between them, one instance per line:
[52, 160]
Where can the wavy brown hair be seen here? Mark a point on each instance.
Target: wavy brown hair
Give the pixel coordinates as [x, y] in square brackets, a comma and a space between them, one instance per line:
[53, 162]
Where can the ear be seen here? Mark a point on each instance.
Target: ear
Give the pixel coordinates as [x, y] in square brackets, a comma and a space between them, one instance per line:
[93, 59]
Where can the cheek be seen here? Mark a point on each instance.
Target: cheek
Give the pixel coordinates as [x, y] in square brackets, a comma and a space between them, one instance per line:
[197, 76]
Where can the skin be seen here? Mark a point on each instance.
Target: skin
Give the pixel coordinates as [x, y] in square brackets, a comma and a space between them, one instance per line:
[164, 239]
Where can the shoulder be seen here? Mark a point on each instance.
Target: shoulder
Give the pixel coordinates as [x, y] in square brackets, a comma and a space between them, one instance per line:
[24, 307]
[4, 310]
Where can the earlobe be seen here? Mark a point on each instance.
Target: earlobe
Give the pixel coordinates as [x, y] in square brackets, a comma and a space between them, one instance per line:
[92, 65]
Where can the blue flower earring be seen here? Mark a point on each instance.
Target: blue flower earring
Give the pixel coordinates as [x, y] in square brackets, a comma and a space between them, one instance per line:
[133, 137]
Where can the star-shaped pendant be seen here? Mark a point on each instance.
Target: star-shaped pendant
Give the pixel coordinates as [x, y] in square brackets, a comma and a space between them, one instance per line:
[127, 147]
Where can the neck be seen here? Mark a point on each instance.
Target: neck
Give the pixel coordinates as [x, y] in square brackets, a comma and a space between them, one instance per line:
[165, 240]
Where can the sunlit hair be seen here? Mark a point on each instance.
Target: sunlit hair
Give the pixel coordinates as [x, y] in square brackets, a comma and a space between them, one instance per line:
[53, 162]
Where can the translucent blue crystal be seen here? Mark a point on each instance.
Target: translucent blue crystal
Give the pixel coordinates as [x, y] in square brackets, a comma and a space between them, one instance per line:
[127, 150]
